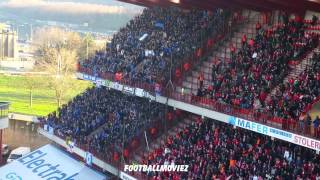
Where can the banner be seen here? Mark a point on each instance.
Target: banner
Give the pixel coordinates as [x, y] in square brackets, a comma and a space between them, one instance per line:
[159, 25]
[89, 78]
[149, 96]
[143, 37]
[89, 158]
[125, 176]
[262, 129]
[45, 127]
[50, 130]
[128, 90]
[99, 82]
[275, 133]
[139, 92]
[142, 93]
[117, 86]
[79, 75]
[108, 83]
[149, 53]
[306, 142]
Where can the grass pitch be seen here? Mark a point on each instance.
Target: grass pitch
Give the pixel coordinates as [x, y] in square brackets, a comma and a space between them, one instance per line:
[14, 90]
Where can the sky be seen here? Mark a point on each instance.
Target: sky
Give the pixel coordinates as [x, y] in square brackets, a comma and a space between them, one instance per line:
[73, 6]
[103, 16]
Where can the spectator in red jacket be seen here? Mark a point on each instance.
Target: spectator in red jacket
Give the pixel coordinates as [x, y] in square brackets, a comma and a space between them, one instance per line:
[186, 66]
[244, 39]
[251, 42]
[216, 150]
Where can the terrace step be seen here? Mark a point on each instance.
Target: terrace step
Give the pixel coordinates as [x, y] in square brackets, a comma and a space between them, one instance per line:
[297, 70]
[161, 140]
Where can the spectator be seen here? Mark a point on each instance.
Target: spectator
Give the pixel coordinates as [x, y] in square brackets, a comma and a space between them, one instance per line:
[258, 26]
[119, 117]
[215, 150]
[316, 126]
[251, 42]
[302, 123]
[154, 41]
[244, 39]
[314, 20]
[296, 95]
[308, 124]
[201, 79]
[250, 75]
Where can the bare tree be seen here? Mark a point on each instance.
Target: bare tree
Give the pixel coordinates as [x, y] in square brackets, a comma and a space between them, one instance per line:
[30, 82]
[52, 36]
[88, 47]
[58, 57]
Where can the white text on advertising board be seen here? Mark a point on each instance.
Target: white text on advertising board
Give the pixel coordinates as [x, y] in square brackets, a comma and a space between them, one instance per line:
[260, 128]
[306, 142]
[37, 164]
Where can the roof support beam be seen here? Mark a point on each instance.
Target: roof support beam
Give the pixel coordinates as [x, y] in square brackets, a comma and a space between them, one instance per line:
[292, 6]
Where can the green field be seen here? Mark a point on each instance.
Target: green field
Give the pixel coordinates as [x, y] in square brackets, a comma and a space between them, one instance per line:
[13, 90]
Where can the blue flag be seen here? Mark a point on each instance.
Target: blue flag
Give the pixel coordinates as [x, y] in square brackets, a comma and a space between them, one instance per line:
[159, 24]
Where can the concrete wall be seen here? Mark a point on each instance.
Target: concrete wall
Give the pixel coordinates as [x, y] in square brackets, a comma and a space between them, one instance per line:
[28, 65]
[23, 117]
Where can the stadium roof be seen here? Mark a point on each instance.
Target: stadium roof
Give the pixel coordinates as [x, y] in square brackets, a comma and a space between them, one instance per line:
[297, 6]
[48, 162]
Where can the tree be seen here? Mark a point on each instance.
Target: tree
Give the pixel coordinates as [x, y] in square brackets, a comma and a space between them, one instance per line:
[58, 58]
[30, 83]
[60, 63]
[88, 47]
[85, 46]
[52, 37]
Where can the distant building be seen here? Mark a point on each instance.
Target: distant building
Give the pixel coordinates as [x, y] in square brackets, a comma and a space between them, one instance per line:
[8, 44]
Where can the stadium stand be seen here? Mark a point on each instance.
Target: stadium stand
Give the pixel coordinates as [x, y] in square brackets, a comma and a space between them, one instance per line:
[240, 79]
[218, 151]
[144, 49]
[106, 119]
[294, 98]
[258, 71]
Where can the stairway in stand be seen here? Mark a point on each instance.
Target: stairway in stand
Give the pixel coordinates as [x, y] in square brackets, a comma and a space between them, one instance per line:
[190, 83]
[297, 69]
[143, 151]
